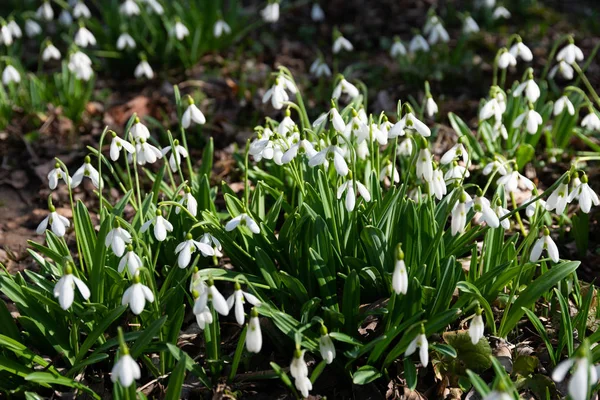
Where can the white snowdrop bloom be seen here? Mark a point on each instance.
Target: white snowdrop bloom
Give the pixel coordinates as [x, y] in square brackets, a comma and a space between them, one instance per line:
[388, 171]
[186, 248]
[213, 242]
[161, 226]
[278, 94]
[80, 65]
[562, 103]
[212, 295]
[221, 28]
[180, 30]
[532, 120]
[32, 28]
[421, 342]
[501, 212]
[129, 8]
[531, 208]
[237, 300]
[357, 128]
[65, 18]
[435, 31]
[397, 48]
[400, 275]
[55, 175]
[565, 70]
[302, 146]
[117, 144]
[143, 69]
[188, 201]
[86, 170]
[286, 125]
[57, 222]
[130, 260]
[583, 378]
[437, 185]
[5, 35]
[14, 28]
[139, 131]
[204, 317]
[50, 52]
[519, 50]
[409, 123]
[494, 107]
[558, 199]
[176, 155]
[155, 7]
[319, 68]
[345, 87]
[303, 385]
[483, 206]
[418, 43]
[585, 195]
[136, 296]
[459, 214]
[570, 54]
[531, 89]
[515, 181]
[336, 119]
[476, 328]
[271, 12]
[117, 239]
[424, 165]
[591, 121]
[45, 11]
[125, 41]
[316, 13]
[470, 25]
[299, 371]
[497, 395]
[64, 289]
[506, 60]
[146, 153]
[457, 151]
[243, 220]
[431, 108]
[501, 12]
[495, 165]
[254, 334]
[456, 174]
[348, 187]
[544, 243]
[80, 10]
[126, 371]
[10, 75]
[330, 153]
[341, 43]
[262, 146]
[405, 148]
[84, 38]
[326, 346]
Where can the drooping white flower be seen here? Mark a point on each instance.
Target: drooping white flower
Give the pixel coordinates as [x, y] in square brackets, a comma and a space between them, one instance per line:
[243, 220]
[501, 12]
[139, 131]
[180, 30]
[562, 103]
[519, 50]
[455, 152]
[418, 43]
[117, 239]
[397, 48]
[558, 199]
[56, 175]
[125, 41]
[254, 334]
[319, 68]
[212, 295]
[494, 107]
[470, 25]
[155, 6]
[437, 184]
[326, 346]
[117, 144]
[299, 371]
[188, 201]
[532, 120]
[177, 154]
[424, 165]
[57, 222]
[476, 328]
[515, 181]
[585, 195]
[532, 208]
[301, 146]
[506, 60]
[161, 226]
[81, 65]
[496, 165]
[400, 275]
[341, 43]
[271, 12]
[591, 121]
[64, 289]
[570, 54]
[584, 374]
[32, 28]
[278, 92]
[212, 241]
[334, 153]
[431, 108]
[459, 214]
[130, 260]
[405, 148]
[348, 187]
[544, 243]
[435, 31]
[531, 89]
[316, 13]
[14, 28]
[125, 370]
[237, 300]
[10, 75]
[409, 123]
[345, 87]
[565, 70]
[6, 36]
[201, 310]
[65, 18]
[86, 170]
[50, 52]
[456, 173]
[136, 296]
[389, 171]
[501, 212]
[80, 10]
[221, 27]
[186, 248]
[84, 38]
[483, 206]
[45, 11]
[421, 342]
[146, 153]
[129, 8]
[143, 69]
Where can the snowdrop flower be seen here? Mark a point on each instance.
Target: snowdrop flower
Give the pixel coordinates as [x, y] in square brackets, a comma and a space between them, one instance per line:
[585, 195]
[125, 41]
[544, 243]
[146, 153]
[143, 69]
[45, 11]
[431, 108]
[212, 241]
[262, 146]
[81, 65]
[409, 123]
[180, 30]
[584, 375]
[341, 43]
[32, 28]
[570, 53]
[456, 174]
[10, 75]
[345, 87]
[139, 131]
[435, 31]
[188, 201]
[532, 208]
[501, 212]
[437, 184]
[483, 206]
[495, 165]
[155, 6]
[237, 300]
[316, 13]
[56, 175]
[64, 289]
[514, 181]
[65, 18]
[277, 93]
[558, 199]
[126, 370]
[5, 34]
[476, 328]
[129, 8]
[58, 223]
[400, 275]
[81, 11]
[498, 395]
[221, 28]
[326, 347]
[494, 107]
[405, 148]
[14, 28]
[560, 105]
[455, 152]
[50, 52]
[418, 43]
[421, 342]
[299, 146]
[501, 12]
[243, 220]
[519, 50]
[319, 68]
[117, 239]
[299, 371]
[469, 25]
[204, 317]
[86, 170]
[397, 48]
[84, 38]
[271, 12]
[348, 187]
[161, 226]
[213, 295]
[532, 119]
[459, 214]
[531, 89]
[136, 296]
[330, 153]
[186, 248]
[176, 155]
[424, 165]
[506, 59]
[117, 144]
[591, 121]
[130, 260]
[388, 171]
[565, 70]
[253, 334]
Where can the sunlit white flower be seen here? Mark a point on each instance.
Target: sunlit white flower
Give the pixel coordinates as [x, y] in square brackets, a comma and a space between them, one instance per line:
[456, 173]
[326, 346]
[585, 195]
[212, 241]
[45, 11]
[584, 376]
[418, 43]
[469, 25]
[50, 52]
[421, 342]
[204, 316]
[126, 371]
[192, 114]
[558, 199]
[180, 30]
[146, 153]
[143, 69]
[117, 144]
[345, 87]
[57, 222]
[348, 187]
[494, 107]
[431, 108]
[519, 50]
[32, 28]
[388, 171]
[319, 68]
[591, 121]
[84, 38]
[405, 148]
[560, 105]
[161, 226]
[10, 75]
[176, 155]
[277, 93]
[400, 277]
[409, 123]
[221, 28]
[271, 12]
[316, 13]
[117, 239]
[397, 48]
[14, 28]
[254, 334]
[299, 371]
[243, 220]
[570, 54]
[188, 201]
[129, 8]
[532, 208]
[501, 212]
[300, 146]
[237, 300]
[424, 165]
[531, 89]
[459, 214]
[506, 60]
[457, 151]
[501, 12]
[495, 165]
[64, 289]
[139, 131]
[125, 41]
[212, 295]
[483, 206]
[565, 70]
[86, 170]
[136, 296]
[186, 248]
[130, 260]
[532, 120]
[80, 10]
[544, 243]
[55, 175]
[81, 65]
[5, 35]
[341, 43]
[515, 181]
[476, 328]
[330, 153]
[437, 184]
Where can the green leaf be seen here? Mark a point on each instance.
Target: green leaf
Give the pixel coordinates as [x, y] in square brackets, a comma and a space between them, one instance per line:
[475, 357]
[176, 381]
[190, 364]
[525, 365]
[365, 374]
[541, 330]
[52, 379]
[7, 322]
[99, 330]
[525, 153]
[146, 337]
[410, 373]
